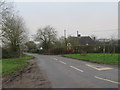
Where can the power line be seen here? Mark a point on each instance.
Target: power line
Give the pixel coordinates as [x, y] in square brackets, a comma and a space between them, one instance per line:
[106, 30]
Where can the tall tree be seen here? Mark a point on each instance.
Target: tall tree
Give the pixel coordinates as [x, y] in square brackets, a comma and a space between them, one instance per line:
[12, 30]
[31, 46]
[72, 40]
[46, 36]
[5, 10]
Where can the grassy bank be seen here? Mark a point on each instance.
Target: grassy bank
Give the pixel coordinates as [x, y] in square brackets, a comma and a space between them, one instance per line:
[12, 65]
[99, 58]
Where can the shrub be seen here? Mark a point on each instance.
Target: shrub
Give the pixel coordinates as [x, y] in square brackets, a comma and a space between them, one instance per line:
[57, 51]
[6, 53]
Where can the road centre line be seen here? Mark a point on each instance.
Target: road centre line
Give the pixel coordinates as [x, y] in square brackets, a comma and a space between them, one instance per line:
[76, 69]
[62, 62]
[55, 59]
[107, 80]
[100, 67]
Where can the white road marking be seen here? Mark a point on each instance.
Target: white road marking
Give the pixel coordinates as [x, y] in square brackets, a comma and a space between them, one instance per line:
[62, 62]
[107, 80]
[76, 68]
[98, 67]
[55, 59]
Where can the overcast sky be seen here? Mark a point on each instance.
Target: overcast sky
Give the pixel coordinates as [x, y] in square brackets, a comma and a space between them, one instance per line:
[89, 18]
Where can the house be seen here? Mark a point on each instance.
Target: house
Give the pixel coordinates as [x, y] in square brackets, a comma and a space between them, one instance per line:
[83, 40]
[86, 40]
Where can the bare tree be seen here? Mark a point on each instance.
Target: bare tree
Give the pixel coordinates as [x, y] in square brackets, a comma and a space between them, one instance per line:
[31, 46]
[72, 40]
[13, 32]
[46, 36]
[5, 9]
[12, 28]
[60, 43]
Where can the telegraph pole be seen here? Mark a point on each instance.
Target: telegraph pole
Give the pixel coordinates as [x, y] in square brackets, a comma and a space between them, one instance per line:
[104, 47]
[65, 37]
[64, 33]
[77, 38]
[77, 33]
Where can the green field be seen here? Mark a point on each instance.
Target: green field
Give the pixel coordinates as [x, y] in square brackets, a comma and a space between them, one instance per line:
[12, 65]
[98, 58]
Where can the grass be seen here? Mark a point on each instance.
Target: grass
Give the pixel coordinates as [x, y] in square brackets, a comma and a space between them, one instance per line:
[12, 65]
[99, 58]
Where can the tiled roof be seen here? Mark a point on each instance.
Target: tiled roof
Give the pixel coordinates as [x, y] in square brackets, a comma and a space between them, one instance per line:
[86, 40]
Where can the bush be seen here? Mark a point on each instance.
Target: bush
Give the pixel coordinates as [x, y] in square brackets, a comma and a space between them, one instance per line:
[55, 51]
[82, 49]
[6, 53]
[96, 49]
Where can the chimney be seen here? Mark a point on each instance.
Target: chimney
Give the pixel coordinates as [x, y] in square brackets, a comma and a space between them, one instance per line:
[94, 38]
[77, 33]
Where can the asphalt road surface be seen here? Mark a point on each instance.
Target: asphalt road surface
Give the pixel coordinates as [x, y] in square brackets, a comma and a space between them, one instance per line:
[64, 72]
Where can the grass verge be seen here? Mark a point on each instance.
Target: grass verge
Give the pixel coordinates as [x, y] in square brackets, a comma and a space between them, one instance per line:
[12, 65]
[98, 58]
